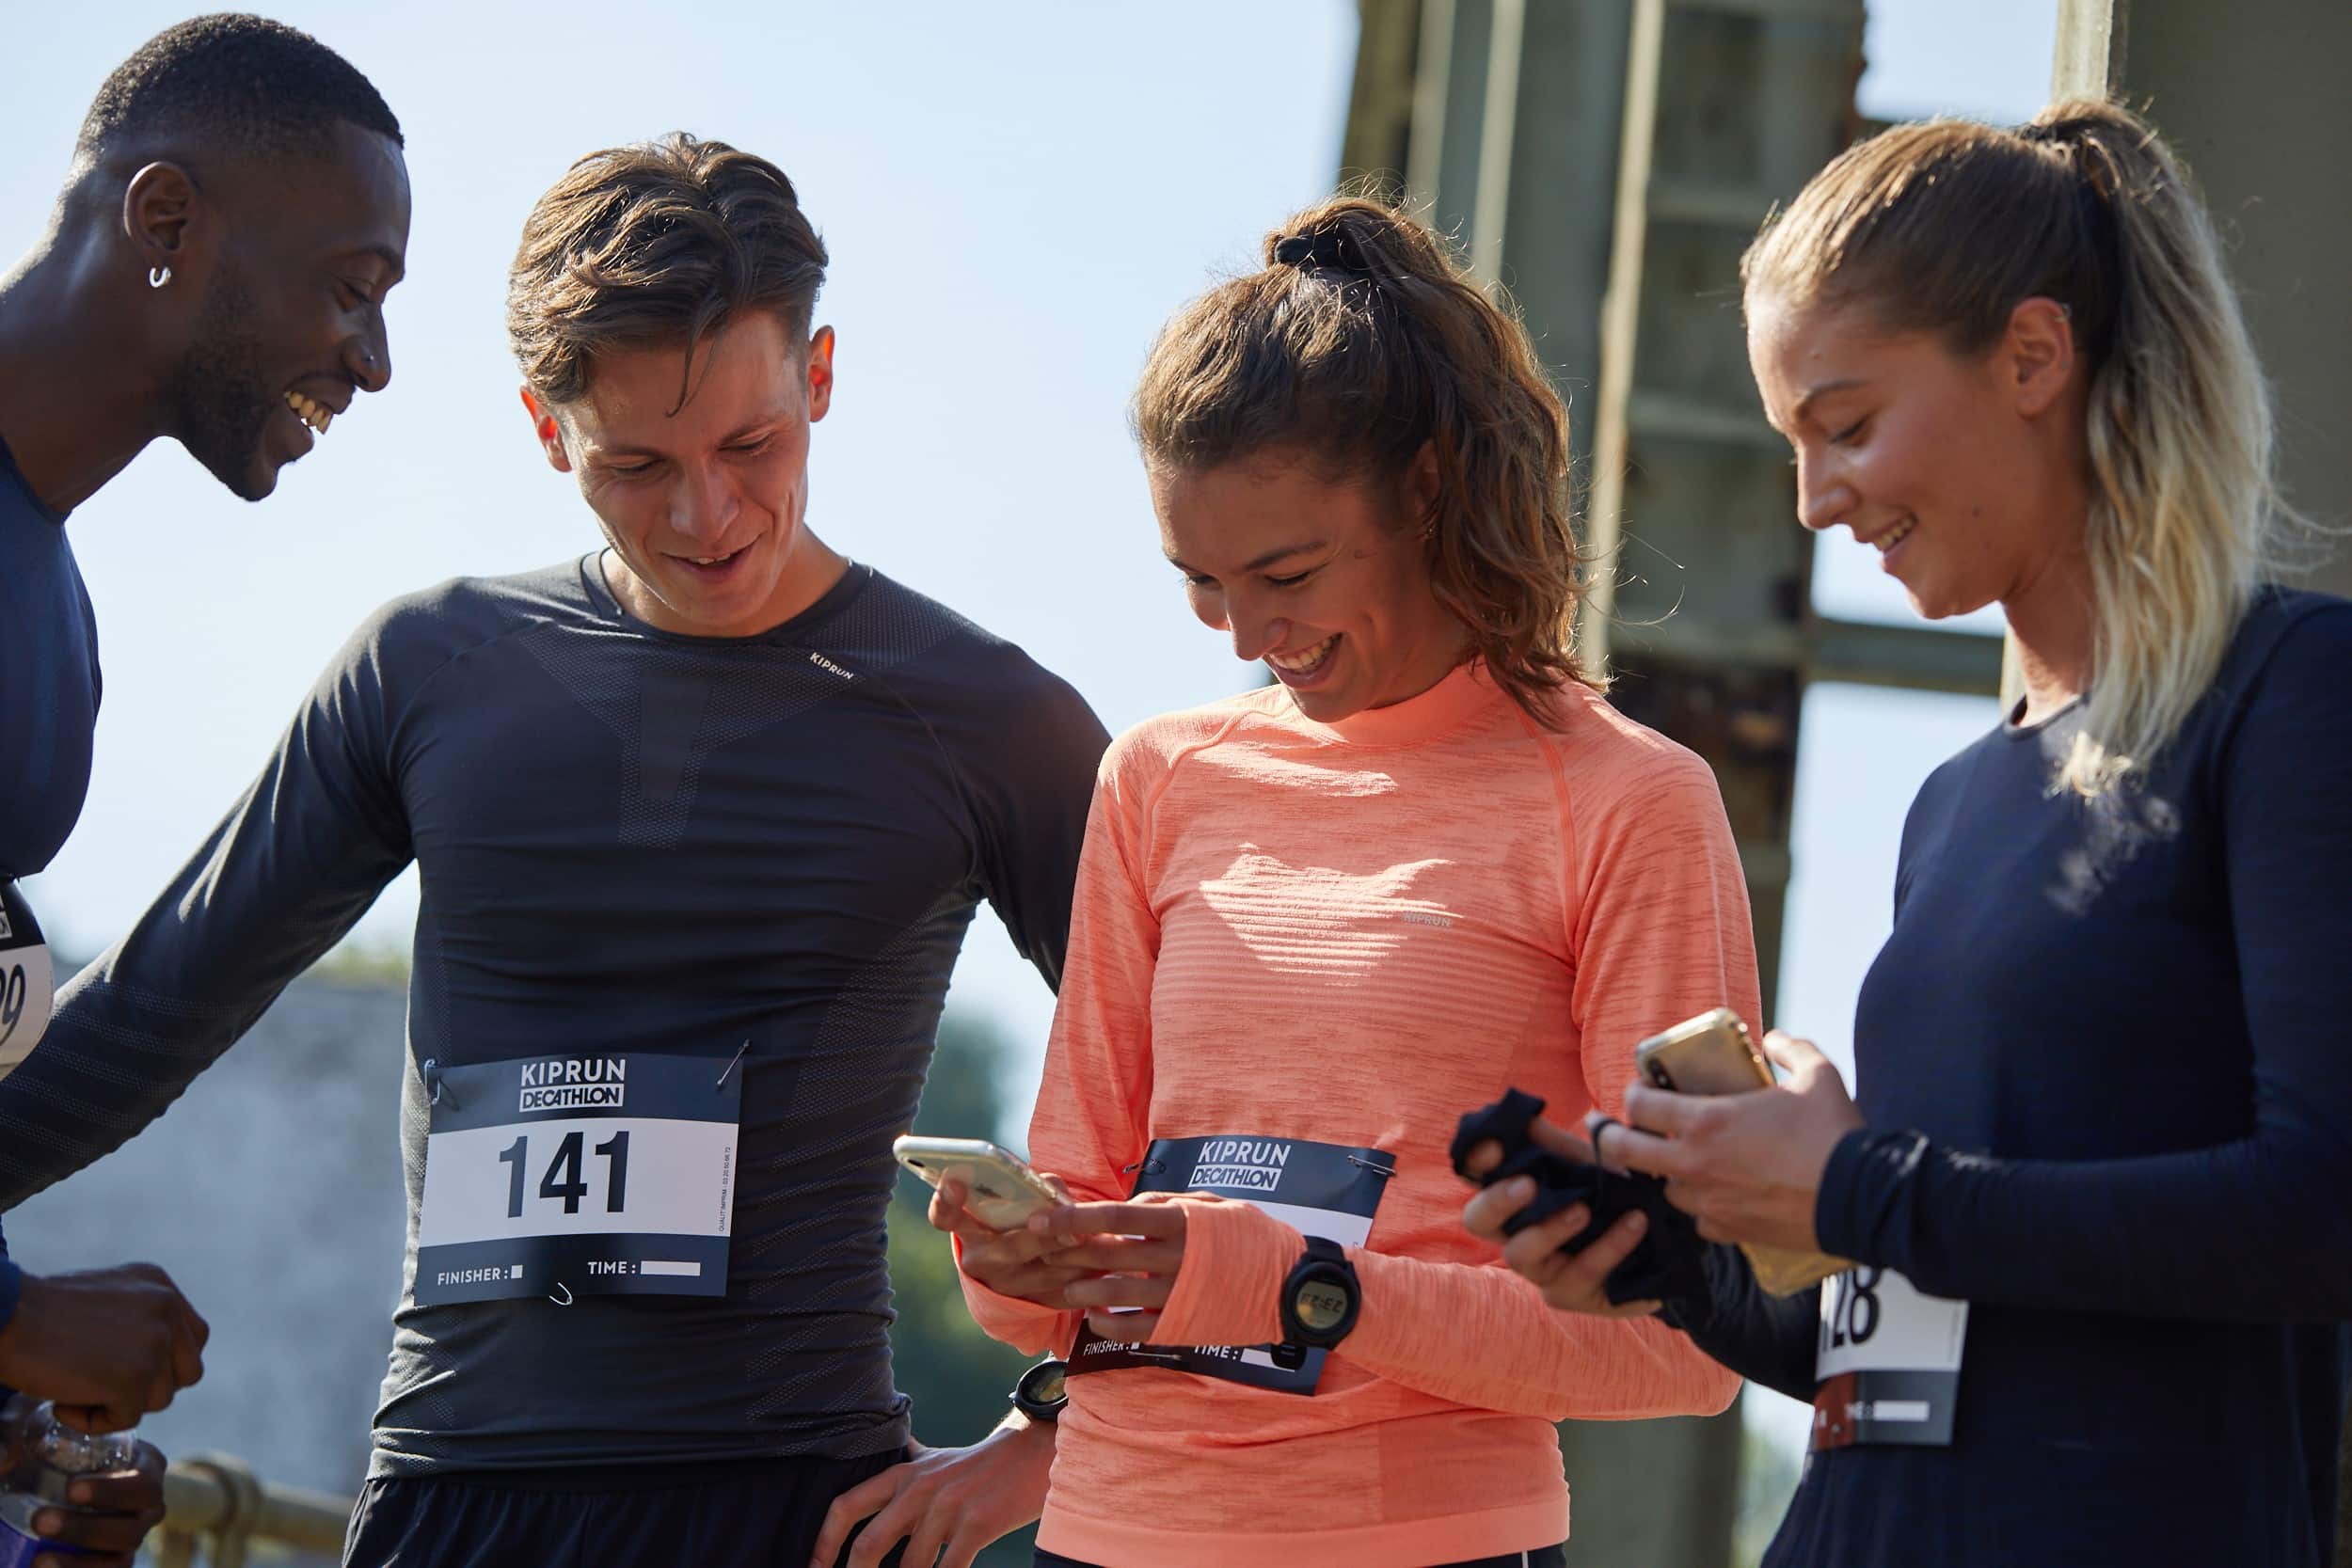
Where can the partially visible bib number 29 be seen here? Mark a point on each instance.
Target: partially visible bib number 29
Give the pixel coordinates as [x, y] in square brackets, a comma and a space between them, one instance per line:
[25, 977]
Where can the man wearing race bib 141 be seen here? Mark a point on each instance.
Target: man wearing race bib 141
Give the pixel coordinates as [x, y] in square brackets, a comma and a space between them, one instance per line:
[701, 818]
[1316, 921]
[215, 272]
[2095, 1185]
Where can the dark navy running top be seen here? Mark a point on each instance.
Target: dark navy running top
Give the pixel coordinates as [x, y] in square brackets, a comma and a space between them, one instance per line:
[49, 684]
[637, 841]
[2103, 1059]
[49, 691]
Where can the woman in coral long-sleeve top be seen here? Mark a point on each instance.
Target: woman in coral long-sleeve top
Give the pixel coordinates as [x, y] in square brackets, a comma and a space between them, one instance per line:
[1317, 922]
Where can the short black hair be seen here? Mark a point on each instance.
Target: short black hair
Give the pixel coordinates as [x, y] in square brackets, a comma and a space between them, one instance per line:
[242, 82]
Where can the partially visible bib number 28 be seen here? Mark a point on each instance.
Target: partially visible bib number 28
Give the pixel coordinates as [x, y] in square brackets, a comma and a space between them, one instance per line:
[1887, 1361]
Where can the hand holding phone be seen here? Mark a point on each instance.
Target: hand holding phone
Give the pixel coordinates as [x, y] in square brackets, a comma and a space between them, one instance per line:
[1713, 1054]
[1000, 1189]
[983, 1196]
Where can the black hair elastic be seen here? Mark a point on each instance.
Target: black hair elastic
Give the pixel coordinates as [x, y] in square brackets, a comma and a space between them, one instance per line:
[2099, 186]
[1329, 249]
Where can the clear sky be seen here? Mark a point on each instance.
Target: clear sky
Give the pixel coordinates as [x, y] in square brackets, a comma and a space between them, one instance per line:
[1014, 195]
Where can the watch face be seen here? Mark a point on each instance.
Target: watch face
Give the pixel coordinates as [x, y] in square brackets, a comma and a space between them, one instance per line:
[1321, 1306]
[1043, 1383]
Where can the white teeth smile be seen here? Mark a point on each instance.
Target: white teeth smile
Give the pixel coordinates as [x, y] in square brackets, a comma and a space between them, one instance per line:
[316, 414]
[713, 559]
[1305, 662]
[1894, 536]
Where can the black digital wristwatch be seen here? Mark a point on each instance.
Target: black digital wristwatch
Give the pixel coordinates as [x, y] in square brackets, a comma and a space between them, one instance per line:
[1320, 1298]
[1041, 1393]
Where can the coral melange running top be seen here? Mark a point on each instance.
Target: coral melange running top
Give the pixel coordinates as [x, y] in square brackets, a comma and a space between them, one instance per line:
[1352, 933]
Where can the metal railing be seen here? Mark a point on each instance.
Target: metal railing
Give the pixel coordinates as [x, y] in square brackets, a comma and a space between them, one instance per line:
[217, 1500]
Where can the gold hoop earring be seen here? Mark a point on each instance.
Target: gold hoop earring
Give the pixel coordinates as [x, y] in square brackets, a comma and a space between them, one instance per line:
[158, 276]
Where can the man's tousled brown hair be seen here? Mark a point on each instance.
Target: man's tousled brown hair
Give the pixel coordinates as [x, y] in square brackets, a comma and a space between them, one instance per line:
[1362, 340]
[661, 242]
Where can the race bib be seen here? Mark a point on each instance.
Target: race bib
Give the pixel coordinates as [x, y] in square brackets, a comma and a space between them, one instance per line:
[1316, 1189]
[1888, 1362]
[571, 1176]
[27, 985]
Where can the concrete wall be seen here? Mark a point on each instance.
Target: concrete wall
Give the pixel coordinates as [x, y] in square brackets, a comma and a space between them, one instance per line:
[2253, 95]
[271, 1192]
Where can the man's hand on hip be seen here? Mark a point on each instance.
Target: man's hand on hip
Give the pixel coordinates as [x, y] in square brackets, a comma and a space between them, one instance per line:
[950, 1501]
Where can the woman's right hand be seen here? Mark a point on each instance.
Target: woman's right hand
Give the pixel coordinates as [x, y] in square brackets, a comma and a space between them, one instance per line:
[1572, 1284]
[1009, 1262]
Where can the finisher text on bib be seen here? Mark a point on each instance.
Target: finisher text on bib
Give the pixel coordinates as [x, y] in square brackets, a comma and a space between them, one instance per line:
[569, 1175]
[1888, 1361]
[1316, 1189]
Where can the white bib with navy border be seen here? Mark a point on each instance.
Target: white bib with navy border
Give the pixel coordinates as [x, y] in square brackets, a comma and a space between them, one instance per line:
[1888, 1361]
[27, 981]
[577, 1175]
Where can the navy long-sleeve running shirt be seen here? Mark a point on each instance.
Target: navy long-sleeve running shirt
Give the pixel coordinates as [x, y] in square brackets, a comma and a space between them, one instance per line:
[629, 841]
[49, 680]
[49, 692]
[2103, 1059]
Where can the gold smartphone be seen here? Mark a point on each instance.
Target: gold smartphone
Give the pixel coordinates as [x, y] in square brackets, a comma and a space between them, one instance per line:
[1710, 1054]
[1713, 1054]
[1000, 1189]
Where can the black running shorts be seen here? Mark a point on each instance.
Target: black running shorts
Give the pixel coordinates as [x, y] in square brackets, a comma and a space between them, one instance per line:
[1543, 1557]
[748, 1514]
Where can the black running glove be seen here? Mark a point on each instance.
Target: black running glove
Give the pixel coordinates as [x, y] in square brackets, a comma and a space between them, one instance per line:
[1669, 1261]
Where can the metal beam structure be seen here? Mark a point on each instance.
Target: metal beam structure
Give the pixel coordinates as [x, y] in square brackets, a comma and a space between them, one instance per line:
[2251, 96]
[1606, 162]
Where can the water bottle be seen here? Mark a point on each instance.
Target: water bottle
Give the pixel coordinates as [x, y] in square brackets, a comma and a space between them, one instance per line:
[49, 1455]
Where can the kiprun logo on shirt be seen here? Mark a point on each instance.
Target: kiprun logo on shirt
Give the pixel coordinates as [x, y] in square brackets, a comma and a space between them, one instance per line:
[575, 1083]
[1253, 1164]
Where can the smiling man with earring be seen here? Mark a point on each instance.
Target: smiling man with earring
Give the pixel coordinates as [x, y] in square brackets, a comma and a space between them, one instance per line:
[701, 816]
[214, 272]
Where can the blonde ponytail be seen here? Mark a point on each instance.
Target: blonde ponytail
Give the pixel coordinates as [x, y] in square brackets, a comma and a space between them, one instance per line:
[1946, 226]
